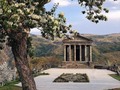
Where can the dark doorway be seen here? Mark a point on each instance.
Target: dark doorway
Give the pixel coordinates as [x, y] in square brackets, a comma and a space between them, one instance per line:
[67, 53]
[72, 52]
[77, 53]
[83, 52]
[88, 53]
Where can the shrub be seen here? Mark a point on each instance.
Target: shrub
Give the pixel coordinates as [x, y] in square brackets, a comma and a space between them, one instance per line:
[70, 77]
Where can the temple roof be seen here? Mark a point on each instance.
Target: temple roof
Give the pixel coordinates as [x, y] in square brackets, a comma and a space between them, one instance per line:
[77, 38]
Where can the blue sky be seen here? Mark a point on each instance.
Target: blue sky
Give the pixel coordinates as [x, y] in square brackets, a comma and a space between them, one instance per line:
[72, 12]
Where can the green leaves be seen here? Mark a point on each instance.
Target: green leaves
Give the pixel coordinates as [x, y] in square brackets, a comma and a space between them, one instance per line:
[2, 37]
[94, 10]
[106, 10]
[23, 14]
[16, 16]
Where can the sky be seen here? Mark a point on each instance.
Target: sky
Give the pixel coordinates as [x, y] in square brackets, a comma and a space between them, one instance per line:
[72, 12]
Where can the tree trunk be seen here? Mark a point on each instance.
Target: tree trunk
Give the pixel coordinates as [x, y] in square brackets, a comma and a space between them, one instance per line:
[19, 49]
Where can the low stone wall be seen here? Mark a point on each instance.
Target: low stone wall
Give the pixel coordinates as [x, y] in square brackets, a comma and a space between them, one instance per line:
[6, 74]
[115, 68]
[101, 67]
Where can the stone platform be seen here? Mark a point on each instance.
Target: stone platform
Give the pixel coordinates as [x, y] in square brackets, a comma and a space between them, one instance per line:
[77, 65]
[99, 80]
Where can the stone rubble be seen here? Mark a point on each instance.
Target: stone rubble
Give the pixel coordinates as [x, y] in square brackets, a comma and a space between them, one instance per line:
[6, 73]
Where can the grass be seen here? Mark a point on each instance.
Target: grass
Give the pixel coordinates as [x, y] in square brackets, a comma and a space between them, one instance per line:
[11, 86]
[115, 76]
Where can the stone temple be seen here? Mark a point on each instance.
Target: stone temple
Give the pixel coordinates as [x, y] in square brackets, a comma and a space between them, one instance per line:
[77, 51]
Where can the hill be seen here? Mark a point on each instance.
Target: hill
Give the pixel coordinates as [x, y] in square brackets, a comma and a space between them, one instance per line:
[44, 47]
[106, 48]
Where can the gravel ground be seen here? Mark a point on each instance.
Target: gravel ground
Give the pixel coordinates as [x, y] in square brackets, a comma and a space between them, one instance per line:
[99, 80]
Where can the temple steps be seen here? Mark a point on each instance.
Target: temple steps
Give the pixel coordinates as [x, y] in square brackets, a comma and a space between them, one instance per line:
[76, 65]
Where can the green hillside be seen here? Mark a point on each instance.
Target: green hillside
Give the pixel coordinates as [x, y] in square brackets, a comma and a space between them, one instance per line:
[106, 48]
[43, 47]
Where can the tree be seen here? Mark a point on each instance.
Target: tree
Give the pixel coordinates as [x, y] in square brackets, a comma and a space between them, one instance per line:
[17, 17]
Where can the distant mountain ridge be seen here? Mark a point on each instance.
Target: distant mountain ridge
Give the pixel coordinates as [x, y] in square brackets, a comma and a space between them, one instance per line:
[115, 37]
[103, 45]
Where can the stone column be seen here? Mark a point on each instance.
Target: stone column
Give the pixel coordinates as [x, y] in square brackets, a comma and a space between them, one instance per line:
[69, 52]
[80, 53]
[65, 52]
[74, 52]
[90, 53]
[85, 53]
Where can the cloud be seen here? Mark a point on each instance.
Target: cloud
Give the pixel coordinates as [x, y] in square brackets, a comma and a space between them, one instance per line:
[64, 3]
[114, 2]
[35, 31]
[113, 15]
[114, 8]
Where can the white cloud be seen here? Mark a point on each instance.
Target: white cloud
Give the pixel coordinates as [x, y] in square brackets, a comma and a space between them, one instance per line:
[62, 3]
[114, 8]
[115, 2]
[113, 15]
[35, 31]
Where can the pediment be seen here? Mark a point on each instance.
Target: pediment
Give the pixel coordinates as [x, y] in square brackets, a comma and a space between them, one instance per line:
[77, 38]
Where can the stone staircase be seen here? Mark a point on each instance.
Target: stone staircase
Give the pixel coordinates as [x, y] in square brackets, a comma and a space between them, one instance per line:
[76, 65]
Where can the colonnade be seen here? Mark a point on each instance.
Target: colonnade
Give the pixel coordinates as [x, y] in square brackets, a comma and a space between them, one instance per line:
[81, 53]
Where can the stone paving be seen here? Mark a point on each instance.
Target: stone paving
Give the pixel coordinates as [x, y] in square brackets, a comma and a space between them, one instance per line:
[99, 80]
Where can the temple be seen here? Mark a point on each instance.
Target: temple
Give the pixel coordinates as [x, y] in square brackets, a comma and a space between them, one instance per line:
[77, 49]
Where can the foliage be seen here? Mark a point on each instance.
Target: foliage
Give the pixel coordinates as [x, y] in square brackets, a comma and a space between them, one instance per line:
[42, 63]
[39, 74]
[44, 50]
[18, 16]
[10, 87]
[12, 82]
[93, 9]
[21, 15]
[70, 77]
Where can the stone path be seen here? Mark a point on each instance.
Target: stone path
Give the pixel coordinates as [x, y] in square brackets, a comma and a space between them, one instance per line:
[99, 80]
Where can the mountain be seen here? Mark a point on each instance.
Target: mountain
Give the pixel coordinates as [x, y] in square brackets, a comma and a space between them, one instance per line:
[106, 48]
[44, 47]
